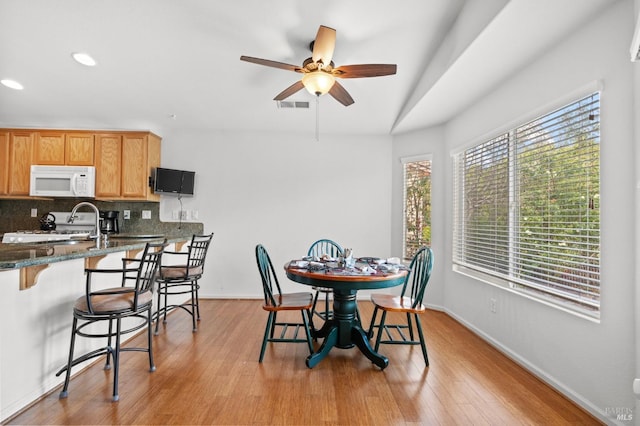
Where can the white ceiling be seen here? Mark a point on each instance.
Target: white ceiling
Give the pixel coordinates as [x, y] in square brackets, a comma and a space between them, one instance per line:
[163, 58]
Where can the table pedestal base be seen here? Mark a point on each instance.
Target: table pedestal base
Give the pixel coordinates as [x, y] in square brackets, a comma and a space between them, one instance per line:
[344, 331]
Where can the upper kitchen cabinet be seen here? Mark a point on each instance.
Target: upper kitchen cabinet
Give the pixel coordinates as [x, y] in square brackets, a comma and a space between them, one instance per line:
[79, 149]
[4, 163]
[108, 149]
[124, 162]
[49, 148]
[140, 155]
[17, 146]
[63, 148]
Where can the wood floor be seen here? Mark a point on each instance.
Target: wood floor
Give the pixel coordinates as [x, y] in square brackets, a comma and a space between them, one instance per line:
[213, 377]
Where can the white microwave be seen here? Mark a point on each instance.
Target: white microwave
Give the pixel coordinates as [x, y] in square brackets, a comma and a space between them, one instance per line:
[63, 181]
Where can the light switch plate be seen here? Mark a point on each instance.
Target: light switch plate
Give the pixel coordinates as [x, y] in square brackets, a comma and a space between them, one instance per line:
[146, 214]
[34, 212]
[126, 214]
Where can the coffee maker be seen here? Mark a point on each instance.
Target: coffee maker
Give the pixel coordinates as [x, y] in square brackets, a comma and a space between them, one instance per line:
[109, 221]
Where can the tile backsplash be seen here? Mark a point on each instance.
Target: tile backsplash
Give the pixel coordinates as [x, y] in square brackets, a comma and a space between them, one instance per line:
[16, 215]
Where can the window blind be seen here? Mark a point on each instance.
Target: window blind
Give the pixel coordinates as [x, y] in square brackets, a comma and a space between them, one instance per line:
[526, 206]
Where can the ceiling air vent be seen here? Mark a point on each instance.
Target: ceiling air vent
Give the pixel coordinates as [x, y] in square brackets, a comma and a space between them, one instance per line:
[293, 104]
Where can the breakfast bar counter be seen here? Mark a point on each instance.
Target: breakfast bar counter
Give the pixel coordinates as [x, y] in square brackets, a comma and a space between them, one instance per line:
[32, 258]
[22, 255]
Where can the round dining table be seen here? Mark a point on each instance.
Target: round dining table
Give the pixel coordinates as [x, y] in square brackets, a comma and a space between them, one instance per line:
[344, 330]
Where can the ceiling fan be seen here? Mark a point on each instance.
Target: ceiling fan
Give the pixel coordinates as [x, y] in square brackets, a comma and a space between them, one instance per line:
[319, 72]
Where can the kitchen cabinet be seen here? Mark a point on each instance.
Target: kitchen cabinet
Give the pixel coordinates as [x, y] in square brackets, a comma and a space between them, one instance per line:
[63, 148]
[48, 148]
[124, 163]
[19, 162]
[79, 149]
[4, 163]
[124, 160]
[140, 155]
[108, 159]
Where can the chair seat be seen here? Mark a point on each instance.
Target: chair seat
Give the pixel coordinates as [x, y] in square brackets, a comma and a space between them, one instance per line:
[180, 271]
[392, 303]
[112, 303]
[291, 301]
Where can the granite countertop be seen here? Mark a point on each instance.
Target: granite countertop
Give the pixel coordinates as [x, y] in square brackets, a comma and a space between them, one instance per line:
[13, 256]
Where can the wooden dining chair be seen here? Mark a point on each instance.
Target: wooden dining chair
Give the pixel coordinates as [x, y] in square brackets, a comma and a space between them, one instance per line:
[275, 301]
[409, 302]
[182, 278]
[320, 248]
[132, 299]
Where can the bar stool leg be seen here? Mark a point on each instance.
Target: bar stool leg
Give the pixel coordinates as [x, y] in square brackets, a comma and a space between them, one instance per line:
[116, 362]
[152, 366]
[65, 389]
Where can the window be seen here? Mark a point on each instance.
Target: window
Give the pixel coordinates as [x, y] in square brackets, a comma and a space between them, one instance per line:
[527, 211]
[417, 205]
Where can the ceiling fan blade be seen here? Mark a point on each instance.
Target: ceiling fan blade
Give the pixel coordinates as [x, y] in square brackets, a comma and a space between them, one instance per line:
[340, 94]
[323, 45]
[364, 70]
[274, 64]
[295, 87]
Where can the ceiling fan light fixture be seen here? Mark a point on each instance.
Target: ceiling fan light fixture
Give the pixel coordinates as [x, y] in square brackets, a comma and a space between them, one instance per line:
[318, 82]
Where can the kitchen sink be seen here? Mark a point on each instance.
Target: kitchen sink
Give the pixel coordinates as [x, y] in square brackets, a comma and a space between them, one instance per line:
[64, 242]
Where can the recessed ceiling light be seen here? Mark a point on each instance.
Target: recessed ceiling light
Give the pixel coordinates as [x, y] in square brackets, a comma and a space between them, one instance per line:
[84, 59]
[12, 84]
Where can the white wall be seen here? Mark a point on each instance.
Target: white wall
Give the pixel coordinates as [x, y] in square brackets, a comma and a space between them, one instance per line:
[593, 363]
[636, 121]
[283, 191]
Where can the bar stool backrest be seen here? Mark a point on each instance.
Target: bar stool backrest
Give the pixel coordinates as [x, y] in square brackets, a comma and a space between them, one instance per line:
[137, 279]
[198, 249]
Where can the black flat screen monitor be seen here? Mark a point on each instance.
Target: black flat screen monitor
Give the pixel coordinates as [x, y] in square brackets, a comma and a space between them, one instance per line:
[171, 181]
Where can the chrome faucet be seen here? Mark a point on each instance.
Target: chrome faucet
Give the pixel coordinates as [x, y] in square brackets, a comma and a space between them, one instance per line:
[95, 209]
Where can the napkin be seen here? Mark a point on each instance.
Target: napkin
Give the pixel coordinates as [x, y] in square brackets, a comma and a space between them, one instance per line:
[367, 270]
[299, 263]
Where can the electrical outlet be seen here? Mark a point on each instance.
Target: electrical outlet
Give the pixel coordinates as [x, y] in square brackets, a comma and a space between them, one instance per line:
[146, 214]
[34, 212]
[494, 307]
[126, 214]
[194, 214]
[183, 215]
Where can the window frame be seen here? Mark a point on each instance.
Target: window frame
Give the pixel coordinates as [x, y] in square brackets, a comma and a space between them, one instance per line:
[404, 161]
[508, 280]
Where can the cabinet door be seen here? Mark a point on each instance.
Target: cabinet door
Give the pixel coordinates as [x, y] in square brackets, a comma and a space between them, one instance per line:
[49, 148]
[4, 163]
[134, 166]
[108, 162]
[20, 155]
[79, 148]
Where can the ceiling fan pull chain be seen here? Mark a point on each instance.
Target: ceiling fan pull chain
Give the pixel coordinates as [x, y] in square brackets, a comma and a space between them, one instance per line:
[318, 118]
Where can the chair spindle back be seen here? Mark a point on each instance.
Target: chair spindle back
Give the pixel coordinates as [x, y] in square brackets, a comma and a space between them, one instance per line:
[325, 246]
[268, 275]
[418, 276]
